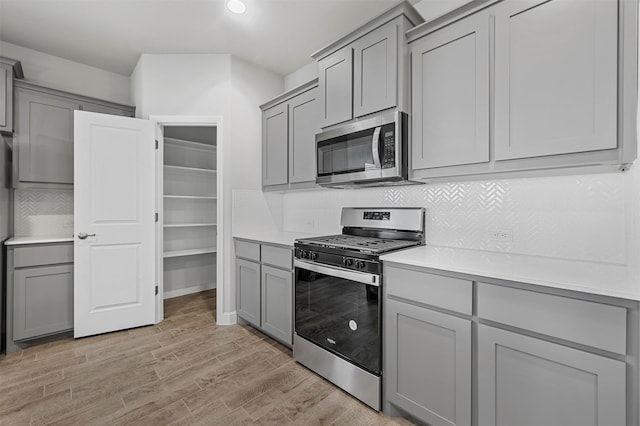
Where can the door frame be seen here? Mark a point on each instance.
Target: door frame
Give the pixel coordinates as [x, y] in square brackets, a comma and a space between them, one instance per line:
[221, 235]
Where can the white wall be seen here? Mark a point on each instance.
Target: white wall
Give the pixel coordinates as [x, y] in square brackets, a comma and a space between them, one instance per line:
[61, 74]
[213, 85]
[431, 9]
[301, 76]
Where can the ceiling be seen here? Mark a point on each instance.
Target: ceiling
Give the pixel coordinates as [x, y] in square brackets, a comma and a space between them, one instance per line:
[278, 35]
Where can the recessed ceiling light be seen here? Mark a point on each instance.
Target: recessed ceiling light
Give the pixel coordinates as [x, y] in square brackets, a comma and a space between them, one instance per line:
[236, 6]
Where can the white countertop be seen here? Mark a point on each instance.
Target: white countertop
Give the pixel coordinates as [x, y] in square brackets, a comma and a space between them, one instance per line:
[273, 237]
[39, 240]
[589, 277]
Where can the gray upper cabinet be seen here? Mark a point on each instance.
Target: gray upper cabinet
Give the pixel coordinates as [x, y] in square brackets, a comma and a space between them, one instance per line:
[375, 71]
[450, 103]
[336, 87]
[9, 69]
[289, 125]
[43, 140]
[367, 70]
[275, 142]
[303, 126]
[504, 87]
[529, 382]
[555, 90]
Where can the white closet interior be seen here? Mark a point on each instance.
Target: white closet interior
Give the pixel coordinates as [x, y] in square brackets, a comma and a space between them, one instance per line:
[189, 209]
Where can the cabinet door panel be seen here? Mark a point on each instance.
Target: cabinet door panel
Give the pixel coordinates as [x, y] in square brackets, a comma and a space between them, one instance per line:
[45, 139]
[336, 87]
[277, 294]
[375, 70]
[527, 381]
[451, 95]
[275, 141]
[6, 98]
[42, 301]
[428, 365]
[248, 291]
[556, 89]
[303, 125]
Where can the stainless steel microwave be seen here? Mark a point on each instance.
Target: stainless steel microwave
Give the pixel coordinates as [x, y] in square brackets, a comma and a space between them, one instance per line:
[371, 152]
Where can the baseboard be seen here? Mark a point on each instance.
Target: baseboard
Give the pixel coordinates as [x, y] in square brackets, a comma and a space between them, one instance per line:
[227, 318]
[189, 290]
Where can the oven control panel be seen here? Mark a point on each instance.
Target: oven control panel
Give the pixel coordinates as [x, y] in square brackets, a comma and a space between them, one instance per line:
[353, 261]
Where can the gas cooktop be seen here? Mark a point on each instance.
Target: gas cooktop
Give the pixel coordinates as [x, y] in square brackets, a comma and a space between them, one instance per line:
[358, 243]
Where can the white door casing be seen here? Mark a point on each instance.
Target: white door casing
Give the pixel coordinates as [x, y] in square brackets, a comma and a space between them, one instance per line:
[114, 198]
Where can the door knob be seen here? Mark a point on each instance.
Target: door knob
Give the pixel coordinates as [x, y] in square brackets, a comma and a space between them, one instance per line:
[84, 235]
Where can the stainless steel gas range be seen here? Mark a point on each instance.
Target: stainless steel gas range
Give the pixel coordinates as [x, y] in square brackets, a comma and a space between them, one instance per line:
[338, 296]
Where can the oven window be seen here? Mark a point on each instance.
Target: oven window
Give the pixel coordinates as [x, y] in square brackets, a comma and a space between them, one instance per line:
[346, 154]
[342, 316]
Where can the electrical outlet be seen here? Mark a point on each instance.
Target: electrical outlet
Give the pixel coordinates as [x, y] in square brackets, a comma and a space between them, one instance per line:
[502, 235]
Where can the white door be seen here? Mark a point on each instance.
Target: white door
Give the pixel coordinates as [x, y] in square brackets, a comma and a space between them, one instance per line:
[114, 223]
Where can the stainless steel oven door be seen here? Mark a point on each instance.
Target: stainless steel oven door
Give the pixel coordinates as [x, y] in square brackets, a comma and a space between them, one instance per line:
[340, 311]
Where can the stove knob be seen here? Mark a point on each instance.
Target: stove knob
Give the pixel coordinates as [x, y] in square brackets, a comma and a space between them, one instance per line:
[360, 264]
[304, 254]
[349, 262]
[314, 255]
[344, 261]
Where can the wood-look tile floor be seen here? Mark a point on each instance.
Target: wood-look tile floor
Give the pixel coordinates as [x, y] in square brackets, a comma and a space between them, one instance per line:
[184, 371]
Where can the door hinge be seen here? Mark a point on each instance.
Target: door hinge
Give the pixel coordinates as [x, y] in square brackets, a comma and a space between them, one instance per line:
[156, 217]
[156, 143]
[156, 290]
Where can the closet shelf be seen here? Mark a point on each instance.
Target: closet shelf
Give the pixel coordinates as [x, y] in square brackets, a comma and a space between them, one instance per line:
[190, 144]
[191, 197]
[189, 169]
[187, 225]
[192, 252]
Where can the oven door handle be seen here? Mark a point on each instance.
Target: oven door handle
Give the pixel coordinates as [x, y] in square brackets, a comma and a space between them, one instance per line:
[361, 277]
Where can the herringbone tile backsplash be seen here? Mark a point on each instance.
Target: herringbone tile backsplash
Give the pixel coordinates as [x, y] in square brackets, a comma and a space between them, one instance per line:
[40, 212]
[585, 217]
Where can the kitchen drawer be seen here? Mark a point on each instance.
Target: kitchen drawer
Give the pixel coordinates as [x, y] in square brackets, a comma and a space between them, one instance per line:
[248, 250]
[440, 291]
[588, 323]
[42, 255]
[277, 256]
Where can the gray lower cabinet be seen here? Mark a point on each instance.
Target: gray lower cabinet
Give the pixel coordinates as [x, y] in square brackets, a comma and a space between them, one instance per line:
[39, 292]
[277, 309]
[527, 355]
[289, 125]
[248, 291]
[264, 288]
[42, 301]
[43, 141]
[529, 382]
[428, 363]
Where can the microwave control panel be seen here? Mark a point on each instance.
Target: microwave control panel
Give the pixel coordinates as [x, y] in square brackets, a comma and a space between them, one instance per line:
[389, 150]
